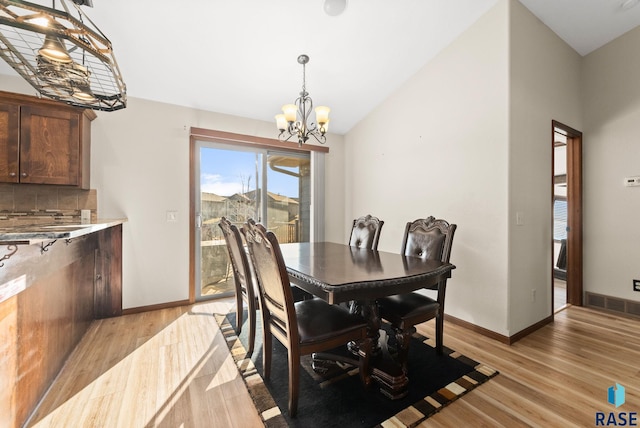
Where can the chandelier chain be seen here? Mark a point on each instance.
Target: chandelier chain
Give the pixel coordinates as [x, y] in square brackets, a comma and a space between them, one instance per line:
[304, 80]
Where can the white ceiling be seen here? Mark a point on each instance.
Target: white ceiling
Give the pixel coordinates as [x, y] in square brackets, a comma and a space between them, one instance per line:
[239, 56]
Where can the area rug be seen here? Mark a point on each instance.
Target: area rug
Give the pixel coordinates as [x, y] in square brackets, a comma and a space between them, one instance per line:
[338, 399]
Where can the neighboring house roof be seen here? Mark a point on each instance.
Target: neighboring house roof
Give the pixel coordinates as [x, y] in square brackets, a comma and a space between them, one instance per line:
[239, 197]
[212, 197]
[274, 196]
[281, 198]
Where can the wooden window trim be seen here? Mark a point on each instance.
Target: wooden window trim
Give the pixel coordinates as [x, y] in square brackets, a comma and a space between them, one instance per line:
[251, 141]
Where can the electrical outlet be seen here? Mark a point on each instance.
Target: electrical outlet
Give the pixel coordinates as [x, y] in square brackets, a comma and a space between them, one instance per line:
[172, 216]
[636, 285]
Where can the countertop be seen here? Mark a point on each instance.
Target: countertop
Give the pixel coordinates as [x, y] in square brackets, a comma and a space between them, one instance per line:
[33, 233]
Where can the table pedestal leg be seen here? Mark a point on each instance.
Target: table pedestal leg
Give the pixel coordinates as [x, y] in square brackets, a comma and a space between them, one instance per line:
[385, 371]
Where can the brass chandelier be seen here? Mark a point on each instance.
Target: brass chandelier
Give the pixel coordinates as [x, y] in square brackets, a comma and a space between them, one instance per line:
[294, 119]
[64, 56]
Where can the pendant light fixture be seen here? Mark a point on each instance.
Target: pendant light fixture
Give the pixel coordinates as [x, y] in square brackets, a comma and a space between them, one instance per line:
[294, 120]
[61, 53]
[54, 49]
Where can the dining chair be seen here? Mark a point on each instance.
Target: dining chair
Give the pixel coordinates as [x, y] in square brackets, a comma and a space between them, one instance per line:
[365, 232]
[427, 239]
[302, 327]
[243, 279]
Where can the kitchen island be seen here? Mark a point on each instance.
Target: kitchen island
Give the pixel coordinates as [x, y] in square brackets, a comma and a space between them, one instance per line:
[55, 279]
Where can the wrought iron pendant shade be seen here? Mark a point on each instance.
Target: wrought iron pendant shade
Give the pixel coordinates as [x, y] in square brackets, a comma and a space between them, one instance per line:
[64, 56]
[294, 119]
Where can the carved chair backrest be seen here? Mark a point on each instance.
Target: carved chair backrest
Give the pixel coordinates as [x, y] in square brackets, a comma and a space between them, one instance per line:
[239, 259]
[365, 232]
[429, 239]
[273, 282]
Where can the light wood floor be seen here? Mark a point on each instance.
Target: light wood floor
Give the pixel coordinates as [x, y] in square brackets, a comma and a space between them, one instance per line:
[171, 368]
[559, 294]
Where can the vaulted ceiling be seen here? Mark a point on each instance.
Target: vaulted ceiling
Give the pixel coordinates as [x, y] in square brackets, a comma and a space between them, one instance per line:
[239, 57]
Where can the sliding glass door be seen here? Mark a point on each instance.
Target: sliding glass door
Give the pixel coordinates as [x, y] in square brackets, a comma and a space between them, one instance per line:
[239, 183]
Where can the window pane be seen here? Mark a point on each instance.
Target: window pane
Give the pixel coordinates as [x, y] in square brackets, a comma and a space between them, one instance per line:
[227, 189]
[559, 219]
[288, 196]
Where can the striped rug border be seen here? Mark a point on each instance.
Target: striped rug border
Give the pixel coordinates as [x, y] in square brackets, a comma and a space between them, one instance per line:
[407, 418]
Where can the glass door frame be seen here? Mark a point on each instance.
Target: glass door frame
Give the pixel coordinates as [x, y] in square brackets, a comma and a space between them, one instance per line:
[200, 135]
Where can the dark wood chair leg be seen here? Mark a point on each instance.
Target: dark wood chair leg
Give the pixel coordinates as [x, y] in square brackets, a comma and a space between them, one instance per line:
[403, 337]
[239, 313]
[365, 349]
[294, 381]
[251, 317]
[442, 286]
[439, 332]
[266, 353]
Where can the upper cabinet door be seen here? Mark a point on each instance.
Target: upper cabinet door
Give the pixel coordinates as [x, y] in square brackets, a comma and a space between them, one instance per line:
[9, 142]
[50, 146]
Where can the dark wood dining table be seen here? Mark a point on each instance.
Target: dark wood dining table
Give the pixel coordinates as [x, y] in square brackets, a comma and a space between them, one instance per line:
[339, 273]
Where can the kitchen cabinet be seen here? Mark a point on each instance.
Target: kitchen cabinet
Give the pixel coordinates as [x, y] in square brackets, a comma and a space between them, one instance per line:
[44, 141]
[50, 292]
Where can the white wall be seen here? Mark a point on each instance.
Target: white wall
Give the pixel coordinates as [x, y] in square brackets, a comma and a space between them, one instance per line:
[439, 146]
[544, 85]
[140, 168]
[468, 139]
[612, 152]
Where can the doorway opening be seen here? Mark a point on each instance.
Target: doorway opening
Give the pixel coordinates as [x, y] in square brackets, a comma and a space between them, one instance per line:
[567, 217]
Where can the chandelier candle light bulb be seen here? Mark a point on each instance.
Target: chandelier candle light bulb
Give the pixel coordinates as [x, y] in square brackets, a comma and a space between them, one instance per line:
[281, 122]
[322, 115]
[290, 112]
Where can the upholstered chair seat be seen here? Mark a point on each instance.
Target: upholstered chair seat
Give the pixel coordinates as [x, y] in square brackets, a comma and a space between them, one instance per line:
[319, 321]
[406, 310]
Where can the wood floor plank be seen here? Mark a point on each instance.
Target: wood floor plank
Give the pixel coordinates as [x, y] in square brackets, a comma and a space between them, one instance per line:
[490, 414]
[139, 397]
[172, 367]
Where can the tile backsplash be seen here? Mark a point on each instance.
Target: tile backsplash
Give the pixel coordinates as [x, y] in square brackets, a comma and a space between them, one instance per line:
[32, 203]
